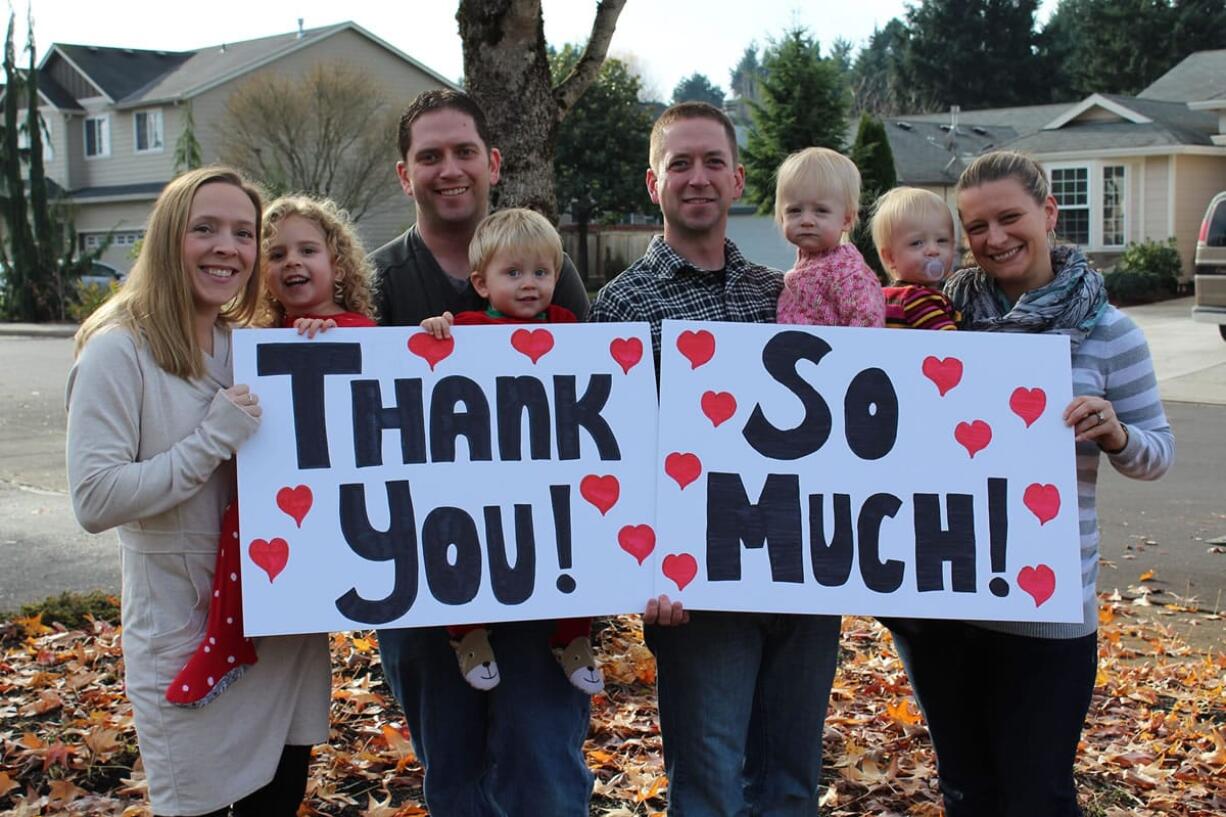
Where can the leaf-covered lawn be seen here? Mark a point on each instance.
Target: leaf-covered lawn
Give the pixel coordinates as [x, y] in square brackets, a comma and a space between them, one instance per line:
[1155, 743]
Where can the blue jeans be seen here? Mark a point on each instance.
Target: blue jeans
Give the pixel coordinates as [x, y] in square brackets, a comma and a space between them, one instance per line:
[514, 751]
[1005, 714]
[743, 700]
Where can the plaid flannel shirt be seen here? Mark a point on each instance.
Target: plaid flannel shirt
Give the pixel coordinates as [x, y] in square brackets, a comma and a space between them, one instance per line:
[663, 285]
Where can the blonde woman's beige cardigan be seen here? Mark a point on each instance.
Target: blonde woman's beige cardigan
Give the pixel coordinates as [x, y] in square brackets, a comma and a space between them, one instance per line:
[151, 454]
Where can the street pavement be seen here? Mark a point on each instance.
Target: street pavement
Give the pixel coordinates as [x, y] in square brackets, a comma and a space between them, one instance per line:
[1175, 527]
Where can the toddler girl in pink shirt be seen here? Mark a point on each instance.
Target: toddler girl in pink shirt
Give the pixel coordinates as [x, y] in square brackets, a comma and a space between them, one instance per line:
[817, 197]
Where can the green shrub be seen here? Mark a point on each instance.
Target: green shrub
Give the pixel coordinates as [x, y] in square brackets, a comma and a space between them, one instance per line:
[88, 298]
[72, 609]
[1147, 271]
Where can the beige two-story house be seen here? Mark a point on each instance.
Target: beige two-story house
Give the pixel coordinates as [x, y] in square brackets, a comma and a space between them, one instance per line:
[112, 117]
[1124, 169]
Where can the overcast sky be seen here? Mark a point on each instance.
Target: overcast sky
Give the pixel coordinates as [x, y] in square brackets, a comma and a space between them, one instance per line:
[668, 39]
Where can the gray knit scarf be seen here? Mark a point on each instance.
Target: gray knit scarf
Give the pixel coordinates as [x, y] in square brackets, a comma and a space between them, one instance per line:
[1070, 304]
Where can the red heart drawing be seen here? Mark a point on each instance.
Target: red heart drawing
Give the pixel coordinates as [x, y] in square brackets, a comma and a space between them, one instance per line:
[973, 436]
[683, 467]
[718, 406]
[698, 347]
[681, 568]
[945, 373]
[637, 540]
[295, 501]
[1043, 501]
[424, 345]
[600, 491]
[627, 352]
[1028, 404]
[535, 343]
[1039, 582]
[270, 556]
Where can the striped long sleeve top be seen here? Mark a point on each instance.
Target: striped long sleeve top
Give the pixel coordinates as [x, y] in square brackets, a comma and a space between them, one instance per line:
[1112, 362]
[912, 306]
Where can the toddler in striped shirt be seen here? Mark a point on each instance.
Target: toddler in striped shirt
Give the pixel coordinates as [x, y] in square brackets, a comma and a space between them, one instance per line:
[913, 231]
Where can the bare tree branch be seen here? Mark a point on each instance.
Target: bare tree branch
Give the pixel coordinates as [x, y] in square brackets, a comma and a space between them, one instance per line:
[325, 133]
[568, 91]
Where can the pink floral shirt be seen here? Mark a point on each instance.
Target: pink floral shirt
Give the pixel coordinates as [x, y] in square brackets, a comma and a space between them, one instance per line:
[831, 288]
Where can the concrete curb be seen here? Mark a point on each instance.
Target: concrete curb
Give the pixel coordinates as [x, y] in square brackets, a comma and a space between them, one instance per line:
[38, 330]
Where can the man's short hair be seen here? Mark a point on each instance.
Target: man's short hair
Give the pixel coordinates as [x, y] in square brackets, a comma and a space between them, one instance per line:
[438, 99]
[688, 110]
[517, 227]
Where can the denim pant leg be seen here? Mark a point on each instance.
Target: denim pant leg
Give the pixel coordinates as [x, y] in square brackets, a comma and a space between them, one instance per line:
[447, 720]
[538, 722]
[1005, 713]
[1038, 709]
[707, 671]
[783, 764]
[949, 678]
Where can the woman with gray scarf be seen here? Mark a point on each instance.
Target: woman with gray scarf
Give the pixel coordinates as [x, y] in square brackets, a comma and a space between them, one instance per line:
[1006, 701]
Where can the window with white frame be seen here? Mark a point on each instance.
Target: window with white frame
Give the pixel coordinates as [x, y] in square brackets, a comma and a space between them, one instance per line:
[1071, 188]
[148, 127]
[92, 241]
[1114, 186]
[97, 136]
[23, 138]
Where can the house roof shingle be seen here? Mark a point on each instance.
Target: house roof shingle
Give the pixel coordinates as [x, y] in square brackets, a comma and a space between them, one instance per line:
[132, 77]
[55, 93]
[1021, 119]
[207, 66]
[1173, 125]
[924, 153]
[120, 72]
[1197, 77]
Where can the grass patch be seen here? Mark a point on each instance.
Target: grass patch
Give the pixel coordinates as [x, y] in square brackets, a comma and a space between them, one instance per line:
[72, 610]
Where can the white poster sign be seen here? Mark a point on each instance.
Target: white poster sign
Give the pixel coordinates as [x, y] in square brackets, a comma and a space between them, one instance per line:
[871, 471]
[395, 480]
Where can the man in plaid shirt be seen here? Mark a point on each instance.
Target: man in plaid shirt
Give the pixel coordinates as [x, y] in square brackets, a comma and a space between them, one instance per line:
[742, 696]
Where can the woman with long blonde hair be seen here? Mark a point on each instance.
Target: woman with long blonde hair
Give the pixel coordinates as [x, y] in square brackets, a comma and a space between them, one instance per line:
[153, 424]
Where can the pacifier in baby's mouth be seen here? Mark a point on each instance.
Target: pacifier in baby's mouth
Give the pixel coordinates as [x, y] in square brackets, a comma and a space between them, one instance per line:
[934, 269]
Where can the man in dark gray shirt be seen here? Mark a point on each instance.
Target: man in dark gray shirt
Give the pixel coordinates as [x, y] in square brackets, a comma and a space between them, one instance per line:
[517, 749]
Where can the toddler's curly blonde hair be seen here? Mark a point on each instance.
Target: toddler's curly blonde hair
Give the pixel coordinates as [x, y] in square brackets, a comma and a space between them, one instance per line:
[354, 288]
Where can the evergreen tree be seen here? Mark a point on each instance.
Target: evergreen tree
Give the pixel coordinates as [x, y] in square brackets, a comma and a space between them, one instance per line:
[602, 144]
[973, 53]
[1057, 44]
[188, 153]
[21, 295]
[872, 155]
[46, 241]
[697, 88]
[1197, 25]
[878, 76]
[41, 265]
[744, 81]
[1121, 46]
[802, 104]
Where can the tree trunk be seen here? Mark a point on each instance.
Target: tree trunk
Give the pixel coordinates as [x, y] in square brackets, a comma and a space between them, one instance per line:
[46, 243]
[21, 282]
[506, 70]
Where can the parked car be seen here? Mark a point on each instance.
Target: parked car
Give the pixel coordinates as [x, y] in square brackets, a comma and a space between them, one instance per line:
[103, 275]
[1210, 281]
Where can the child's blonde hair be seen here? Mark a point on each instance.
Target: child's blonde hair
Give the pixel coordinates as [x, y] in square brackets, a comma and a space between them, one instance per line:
[517, 227]
[817, 171]
[156, 302]
[354, 288]
[901, 205]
